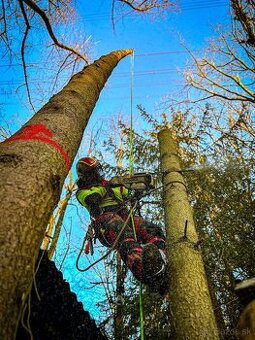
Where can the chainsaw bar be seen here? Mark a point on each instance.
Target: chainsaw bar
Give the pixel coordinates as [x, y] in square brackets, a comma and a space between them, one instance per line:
[140, 181]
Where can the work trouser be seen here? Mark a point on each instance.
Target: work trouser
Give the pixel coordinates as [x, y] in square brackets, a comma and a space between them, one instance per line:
[130, 243]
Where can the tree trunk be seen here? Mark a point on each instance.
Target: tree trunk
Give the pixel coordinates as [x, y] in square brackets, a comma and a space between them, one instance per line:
[60, 218]
[245, 290]
[33, 165]
[246, 323]
[193, 316]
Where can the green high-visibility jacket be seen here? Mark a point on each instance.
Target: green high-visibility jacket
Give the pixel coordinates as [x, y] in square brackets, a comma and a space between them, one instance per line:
[113, 198]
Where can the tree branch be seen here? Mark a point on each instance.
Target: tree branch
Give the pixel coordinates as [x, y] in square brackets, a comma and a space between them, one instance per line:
[60, 69]
[235, 79]
[206, 83]
[47, 23]
[4, 19]
[145, 6]
[4, 34]
[244, 64]
[236, 96]
[23, 47]
[246, 22]
[139, 7]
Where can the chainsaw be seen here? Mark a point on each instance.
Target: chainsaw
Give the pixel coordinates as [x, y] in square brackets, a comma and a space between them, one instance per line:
[140, 181]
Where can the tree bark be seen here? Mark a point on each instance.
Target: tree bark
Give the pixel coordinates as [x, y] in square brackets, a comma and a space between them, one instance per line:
[246, 323]
[33, 165]
[193, 316]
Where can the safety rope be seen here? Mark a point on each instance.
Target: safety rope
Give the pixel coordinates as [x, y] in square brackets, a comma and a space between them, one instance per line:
[113, 247]
[131, 172]
[132, 208]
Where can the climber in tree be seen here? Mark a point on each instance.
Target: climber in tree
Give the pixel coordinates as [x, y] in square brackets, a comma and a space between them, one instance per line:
[144, 254]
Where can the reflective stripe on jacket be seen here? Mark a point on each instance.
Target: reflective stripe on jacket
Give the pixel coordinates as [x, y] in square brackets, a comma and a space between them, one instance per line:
[118, 195]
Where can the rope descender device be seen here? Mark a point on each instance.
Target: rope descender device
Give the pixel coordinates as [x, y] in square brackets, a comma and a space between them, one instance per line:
[89, 238]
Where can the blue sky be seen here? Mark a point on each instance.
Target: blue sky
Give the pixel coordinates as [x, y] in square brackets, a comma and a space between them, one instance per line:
[159, 56]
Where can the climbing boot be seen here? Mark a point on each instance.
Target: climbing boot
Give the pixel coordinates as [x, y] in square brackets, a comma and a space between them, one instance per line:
[154, 273]
[159, 283]
[153, 261]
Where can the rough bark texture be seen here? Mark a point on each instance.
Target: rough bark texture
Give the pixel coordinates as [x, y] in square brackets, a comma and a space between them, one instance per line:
[32, 173]
[193, 315]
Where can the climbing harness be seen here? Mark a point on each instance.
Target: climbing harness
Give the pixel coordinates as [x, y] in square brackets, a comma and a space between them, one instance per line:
[110, 249]
[139, 183]
[91, 235]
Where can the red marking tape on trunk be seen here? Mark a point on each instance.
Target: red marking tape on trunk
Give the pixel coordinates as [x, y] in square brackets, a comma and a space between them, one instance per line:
[42, 133]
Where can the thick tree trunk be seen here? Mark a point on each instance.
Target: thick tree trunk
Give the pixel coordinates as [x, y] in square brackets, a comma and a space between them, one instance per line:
[33, 165]
[193, 315]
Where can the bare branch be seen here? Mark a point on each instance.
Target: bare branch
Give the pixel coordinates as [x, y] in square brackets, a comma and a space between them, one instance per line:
[145, 6]
[23, 47]
[137, 7]
[240, 61]
[245, 18]
[47, 23]
[235, 79]
[60, 69]
[4, 33]
[220, 76]
[4, 20]
[236, 96]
